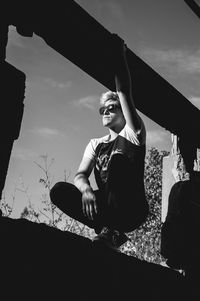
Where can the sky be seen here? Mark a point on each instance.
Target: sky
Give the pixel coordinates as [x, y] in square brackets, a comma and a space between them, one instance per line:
[62, 101]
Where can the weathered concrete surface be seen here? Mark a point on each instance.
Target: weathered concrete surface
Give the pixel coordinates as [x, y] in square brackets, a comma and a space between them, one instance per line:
[46, 263]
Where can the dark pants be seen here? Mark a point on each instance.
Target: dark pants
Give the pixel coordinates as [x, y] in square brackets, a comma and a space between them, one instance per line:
[120, 207]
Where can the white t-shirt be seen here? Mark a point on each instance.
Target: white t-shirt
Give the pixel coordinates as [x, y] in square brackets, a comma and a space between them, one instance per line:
[128, 143]
[137, 138]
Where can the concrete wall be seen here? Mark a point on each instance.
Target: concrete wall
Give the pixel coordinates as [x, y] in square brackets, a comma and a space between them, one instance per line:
[170, 173]
[168, 181]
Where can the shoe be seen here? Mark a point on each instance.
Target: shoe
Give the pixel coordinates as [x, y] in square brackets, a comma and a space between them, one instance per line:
[111, 238]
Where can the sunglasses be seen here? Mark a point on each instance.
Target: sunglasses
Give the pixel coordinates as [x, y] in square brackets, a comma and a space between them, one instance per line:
[110, 108]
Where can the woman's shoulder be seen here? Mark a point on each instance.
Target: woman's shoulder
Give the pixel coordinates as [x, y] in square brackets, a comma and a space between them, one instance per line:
[96, 141]
[137, 138]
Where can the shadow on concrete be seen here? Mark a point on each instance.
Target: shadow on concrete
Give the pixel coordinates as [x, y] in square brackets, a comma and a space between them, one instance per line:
[44, 262]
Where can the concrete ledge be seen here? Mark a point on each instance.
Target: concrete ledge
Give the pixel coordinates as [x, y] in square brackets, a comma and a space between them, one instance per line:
[43, 262]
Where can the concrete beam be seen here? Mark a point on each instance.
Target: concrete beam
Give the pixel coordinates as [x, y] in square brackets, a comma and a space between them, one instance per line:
[86, 43]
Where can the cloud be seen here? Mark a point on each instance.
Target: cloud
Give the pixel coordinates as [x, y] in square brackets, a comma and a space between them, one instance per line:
[182, 60]
[47, 82]
[24, 154]
[156, 137]
[88, 102]
[55, 84]
[46, 132]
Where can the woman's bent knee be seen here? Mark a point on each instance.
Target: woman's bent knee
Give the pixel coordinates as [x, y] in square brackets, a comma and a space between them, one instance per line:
[57, 191]
[63, 190]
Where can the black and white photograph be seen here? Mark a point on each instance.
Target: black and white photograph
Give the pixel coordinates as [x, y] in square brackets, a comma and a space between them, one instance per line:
[100, 151]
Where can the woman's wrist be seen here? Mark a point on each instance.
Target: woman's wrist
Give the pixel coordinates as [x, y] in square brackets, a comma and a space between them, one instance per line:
[87, 189]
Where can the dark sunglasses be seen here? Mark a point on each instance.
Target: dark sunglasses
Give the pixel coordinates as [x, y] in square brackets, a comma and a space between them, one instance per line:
[110, 108]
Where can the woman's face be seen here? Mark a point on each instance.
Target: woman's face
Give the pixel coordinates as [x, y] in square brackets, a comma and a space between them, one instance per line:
[112, 115]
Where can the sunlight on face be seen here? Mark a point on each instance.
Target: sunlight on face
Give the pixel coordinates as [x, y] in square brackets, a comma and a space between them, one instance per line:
[113, 118]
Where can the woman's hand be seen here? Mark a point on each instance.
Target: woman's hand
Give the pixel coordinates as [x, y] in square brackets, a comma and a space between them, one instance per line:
[89, 205]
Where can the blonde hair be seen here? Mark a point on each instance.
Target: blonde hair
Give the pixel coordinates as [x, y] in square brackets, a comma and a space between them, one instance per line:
[109, 95]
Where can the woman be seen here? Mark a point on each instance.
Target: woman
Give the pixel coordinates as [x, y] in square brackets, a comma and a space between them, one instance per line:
[119, 204]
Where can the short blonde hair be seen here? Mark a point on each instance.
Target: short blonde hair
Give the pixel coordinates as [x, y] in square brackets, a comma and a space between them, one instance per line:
[109, 95]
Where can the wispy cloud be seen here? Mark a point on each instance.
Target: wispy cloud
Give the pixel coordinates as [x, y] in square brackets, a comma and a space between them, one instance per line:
[46, 132]
[88, 102]
[156, 137]
[48, 83]
[56, 84]
[182, 60]
[24, 154]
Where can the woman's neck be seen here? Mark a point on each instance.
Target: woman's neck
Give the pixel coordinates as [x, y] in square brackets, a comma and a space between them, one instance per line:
[115, 131]
[113, 134]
